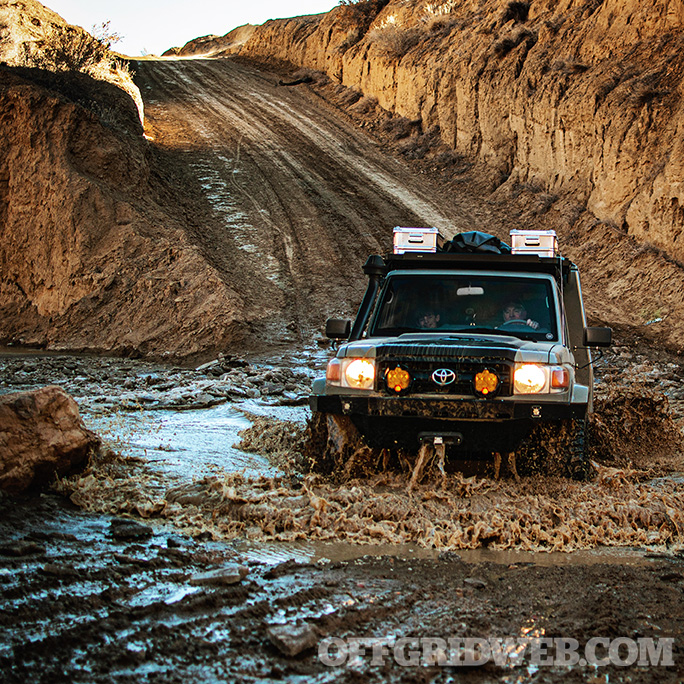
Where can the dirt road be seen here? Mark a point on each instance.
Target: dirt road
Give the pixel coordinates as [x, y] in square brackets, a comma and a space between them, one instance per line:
[300, 196]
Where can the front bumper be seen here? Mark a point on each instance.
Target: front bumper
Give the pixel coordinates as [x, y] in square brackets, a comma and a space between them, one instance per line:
[486, 425]
[445, 409]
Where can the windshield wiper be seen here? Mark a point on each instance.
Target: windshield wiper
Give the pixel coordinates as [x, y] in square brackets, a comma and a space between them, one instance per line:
[491, 331]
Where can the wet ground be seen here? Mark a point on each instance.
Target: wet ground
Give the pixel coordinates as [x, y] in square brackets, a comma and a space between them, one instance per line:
[192, 558]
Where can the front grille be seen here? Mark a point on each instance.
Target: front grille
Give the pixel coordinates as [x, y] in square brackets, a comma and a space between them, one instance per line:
[465, 371]
[474, 349]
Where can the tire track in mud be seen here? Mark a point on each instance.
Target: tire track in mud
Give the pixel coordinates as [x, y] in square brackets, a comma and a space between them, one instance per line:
[266, 154]
[317, 195]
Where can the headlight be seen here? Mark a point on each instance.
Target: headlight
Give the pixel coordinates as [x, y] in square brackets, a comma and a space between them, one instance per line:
[360, 373]
[354, 373]
[532, 378]
[529, 379]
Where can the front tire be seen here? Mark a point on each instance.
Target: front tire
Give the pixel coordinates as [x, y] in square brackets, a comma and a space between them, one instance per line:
[335, 447]
[556, 448]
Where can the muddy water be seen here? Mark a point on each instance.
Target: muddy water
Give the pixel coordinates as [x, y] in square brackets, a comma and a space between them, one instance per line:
[183, 445]
[469, 513]
[187, 467]
[106, 586]
[314, 552]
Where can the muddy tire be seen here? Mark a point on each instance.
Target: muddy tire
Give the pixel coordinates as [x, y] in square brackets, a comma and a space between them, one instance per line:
[578, 465]
[315, 449]
[556, 449]
[333, 446]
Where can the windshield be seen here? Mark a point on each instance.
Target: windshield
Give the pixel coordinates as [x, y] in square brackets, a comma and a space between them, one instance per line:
[520, 306]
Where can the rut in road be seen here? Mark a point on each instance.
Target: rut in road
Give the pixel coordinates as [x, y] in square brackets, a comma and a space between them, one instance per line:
[299, 197]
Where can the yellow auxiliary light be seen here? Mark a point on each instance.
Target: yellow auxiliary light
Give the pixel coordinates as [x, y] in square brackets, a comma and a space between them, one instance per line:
[398, 379]
[486, 382]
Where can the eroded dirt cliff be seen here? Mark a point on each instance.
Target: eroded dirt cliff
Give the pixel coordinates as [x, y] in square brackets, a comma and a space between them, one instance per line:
[579, 97]
[95, 253]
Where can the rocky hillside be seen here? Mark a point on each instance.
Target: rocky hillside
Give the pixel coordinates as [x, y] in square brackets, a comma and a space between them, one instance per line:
[579, 98]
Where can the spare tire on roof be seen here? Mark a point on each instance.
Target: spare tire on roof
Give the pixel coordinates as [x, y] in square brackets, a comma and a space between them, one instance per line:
[476, 242]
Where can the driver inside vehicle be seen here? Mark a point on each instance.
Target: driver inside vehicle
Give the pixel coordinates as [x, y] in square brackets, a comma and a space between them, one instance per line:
[429, 320]
[514, 313]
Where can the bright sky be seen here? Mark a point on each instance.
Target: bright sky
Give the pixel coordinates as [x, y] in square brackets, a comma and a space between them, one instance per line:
[153, 26]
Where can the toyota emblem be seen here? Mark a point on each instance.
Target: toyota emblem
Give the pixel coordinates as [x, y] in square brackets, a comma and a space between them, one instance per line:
[443, 376]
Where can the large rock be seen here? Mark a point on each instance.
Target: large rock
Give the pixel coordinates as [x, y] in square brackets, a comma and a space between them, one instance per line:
[41, 435]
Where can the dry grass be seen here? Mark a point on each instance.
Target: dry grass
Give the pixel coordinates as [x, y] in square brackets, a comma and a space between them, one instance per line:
[70, 48]
[306, 75]
[441, 25]
[421, 145]
[505, 45]
[399, 127]
[395, 42]
[359, 14]
[569, 66]
[348, 96]
[365, 105]
[352, 37]
[646, 89]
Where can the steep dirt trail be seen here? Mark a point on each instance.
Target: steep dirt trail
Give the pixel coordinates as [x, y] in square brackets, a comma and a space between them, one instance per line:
[300, 196]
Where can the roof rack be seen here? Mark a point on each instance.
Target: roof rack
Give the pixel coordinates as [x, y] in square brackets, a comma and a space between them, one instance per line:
[523, 263]
[543, 243]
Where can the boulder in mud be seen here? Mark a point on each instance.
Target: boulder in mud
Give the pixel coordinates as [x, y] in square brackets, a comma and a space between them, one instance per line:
[124, 529]
[292, 639]
[41, 435]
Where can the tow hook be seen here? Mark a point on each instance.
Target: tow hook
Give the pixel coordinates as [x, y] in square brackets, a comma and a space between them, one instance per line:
[438, 442]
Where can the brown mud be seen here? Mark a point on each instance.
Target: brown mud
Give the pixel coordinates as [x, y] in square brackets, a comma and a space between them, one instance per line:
[113, 583]
[88, 598]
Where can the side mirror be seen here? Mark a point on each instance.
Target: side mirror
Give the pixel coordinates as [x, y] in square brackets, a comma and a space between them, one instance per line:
[337, 328]
[598, 337]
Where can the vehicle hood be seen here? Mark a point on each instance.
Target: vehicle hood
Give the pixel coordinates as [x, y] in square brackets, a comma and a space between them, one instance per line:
[453, 345]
